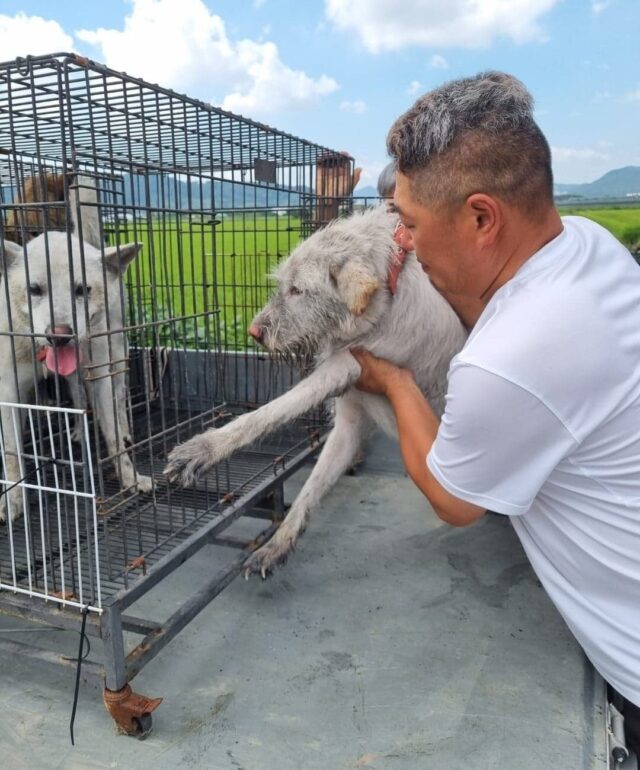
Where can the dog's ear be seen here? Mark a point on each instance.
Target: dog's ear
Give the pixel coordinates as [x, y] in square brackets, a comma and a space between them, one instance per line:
[356, 284]
[118, 258]
[9, 253]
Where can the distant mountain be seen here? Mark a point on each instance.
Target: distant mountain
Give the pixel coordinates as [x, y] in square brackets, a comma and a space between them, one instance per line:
[614, 184]
[617, 183]
[365, 192]
[170, 192]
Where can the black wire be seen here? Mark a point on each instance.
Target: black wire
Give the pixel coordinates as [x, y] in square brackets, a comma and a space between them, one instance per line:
[48, 461]
[83, 636]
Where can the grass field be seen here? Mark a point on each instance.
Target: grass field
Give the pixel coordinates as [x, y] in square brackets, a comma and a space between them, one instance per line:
[623, 221]
[187, 270]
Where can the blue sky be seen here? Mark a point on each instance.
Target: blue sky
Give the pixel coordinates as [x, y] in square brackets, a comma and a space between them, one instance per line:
[340, 71]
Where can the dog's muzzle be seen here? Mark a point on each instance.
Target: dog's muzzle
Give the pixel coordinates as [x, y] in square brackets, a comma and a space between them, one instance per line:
[62, 355]
[257, 332]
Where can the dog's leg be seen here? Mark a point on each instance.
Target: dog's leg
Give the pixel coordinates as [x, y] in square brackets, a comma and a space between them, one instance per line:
[342, 446]
[110, 404]
[79, 401]
[12, 387]
[187, 461]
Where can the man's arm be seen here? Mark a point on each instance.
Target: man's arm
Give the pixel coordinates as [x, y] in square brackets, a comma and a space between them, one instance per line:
[417, 429]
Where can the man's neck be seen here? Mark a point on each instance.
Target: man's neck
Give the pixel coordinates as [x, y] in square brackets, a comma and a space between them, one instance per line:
[521, 239]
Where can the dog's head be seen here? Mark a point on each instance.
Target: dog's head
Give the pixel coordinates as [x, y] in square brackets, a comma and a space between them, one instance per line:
[332, 289]
[61, 291]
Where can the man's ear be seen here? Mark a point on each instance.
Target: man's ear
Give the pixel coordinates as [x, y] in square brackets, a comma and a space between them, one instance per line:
[118, 258]
[356, 285]
[487, 214]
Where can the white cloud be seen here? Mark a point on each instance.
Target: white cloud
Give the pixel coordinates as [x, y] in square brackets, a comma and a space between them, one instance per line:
[414, 87]
[182, 45]
[563, 154]
[357, 106]
[24, 35]
[371, 169]
[438, 62]
[597, 6]
[389, 26]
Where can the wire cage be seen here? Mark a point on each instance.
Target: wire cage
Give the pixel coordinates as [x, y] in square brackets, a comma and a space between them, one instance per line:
[139, 228]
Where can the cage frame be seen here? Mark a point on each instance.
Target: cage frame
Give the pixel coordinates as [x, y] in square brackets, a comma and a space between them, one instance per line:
[328, 195]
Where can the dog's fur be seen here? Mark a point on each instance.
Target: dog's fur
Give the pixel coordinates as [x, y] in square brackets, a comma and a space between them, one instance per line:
[52, 282]
[333, 295]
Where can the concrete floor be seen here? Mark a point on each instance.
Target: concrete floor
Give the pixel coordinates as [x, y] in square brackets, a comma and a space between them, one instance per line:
[389, 642]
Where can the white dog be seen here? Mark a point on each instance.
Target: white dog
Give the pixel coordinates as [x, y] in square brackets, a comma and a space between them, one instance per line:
[333, 294]
[57, 298]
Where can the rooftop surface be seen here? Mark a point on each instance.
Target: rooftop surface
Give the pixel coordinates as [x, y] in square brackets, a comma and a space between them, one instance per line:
[390, 641]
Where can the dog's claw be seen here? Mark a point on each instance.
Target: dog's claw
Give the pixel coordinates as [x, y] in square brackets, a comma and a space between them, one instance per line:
[188, 461]
[265, 561]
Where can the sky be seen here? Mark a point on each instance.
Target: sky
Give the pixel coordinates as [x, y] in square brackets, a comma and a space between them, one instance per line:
[338, 72]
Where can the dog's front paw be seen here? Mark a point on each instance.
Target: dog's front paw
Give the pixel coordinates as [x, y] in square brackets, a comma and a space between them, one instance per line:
[144, 483]
[190, 460]
[274, 553]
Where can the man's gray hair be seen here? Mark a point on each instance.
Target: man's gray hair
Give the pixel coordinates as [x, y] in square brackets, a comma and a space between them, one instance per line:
[471, 135]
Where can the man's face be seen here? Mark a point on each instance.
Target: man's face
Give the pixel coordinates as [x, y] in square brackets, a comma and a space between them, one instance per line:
[443, 245]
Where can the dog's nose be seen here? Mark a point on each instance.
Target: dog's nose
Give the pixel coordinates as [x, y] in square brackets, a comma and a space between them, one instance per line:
[257, 332]
[58, 336]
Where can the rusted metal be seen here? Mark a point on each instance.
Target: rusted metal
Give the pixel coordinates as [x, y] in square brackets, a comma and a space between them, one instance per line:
[138, 563]
[65, 595]
[130, 711]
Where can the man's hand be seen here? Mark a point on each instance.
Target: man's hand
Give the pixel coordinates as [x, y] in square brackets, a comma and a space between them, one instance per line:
[378, 375]
[417, 429]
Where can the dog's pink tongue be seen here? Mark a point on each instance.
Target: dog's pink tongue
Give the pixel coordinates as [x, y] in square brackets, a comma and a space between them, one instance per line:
[64, 360]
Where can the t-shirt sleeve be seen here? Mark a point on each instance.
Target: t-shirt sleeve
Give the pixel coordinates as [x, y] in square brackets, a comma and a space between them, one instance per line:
[497, 442]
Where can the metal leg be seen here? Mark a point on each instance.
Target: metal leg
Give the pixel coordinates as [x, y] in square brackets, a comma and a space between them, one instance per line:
[113, 643]
[131, 711]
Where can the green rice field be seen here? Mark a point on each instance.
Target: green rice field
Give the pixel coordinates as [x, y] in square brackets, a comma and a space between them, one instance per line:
[193, 281]
[622, 221]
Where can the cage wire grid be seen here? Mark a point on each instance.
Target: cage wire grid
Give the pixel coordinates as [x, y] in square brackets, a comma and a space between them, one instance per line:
[215, 200]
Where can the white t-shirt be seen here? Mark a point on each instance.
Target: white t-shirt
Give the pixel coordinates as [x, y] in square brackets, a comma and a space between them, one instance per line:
[542, 423]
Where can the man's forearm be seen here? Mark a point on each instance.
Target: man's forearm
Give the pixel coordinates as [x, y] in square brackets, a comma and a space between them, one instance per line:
[417, 428]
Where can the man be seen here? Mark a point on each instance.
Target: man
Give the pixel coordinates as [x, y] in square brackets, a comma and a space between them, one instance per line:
[542, 421]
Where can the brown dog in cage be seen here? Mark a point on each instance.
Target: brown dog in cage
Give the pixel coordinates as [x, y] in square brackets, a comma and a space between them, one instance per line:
[61, 313]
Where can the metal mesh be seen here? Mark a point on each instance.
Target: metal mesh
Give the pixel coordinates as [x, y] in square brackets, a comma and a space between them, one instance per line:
[213, 201]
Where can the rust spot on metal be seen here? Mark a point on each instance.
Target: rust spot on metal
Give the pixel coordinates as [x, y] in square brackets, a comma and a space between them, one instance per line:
[314, 438]
[81, 60]
[128, 708]
[279, 460]
[229, 497]
[66, 596]
[138, 563]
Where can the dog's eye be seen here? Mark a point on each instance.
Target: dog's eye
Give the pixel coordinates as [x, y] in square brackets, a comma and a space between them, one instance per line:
[294, 291]
[83, 291]
[35, 290]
